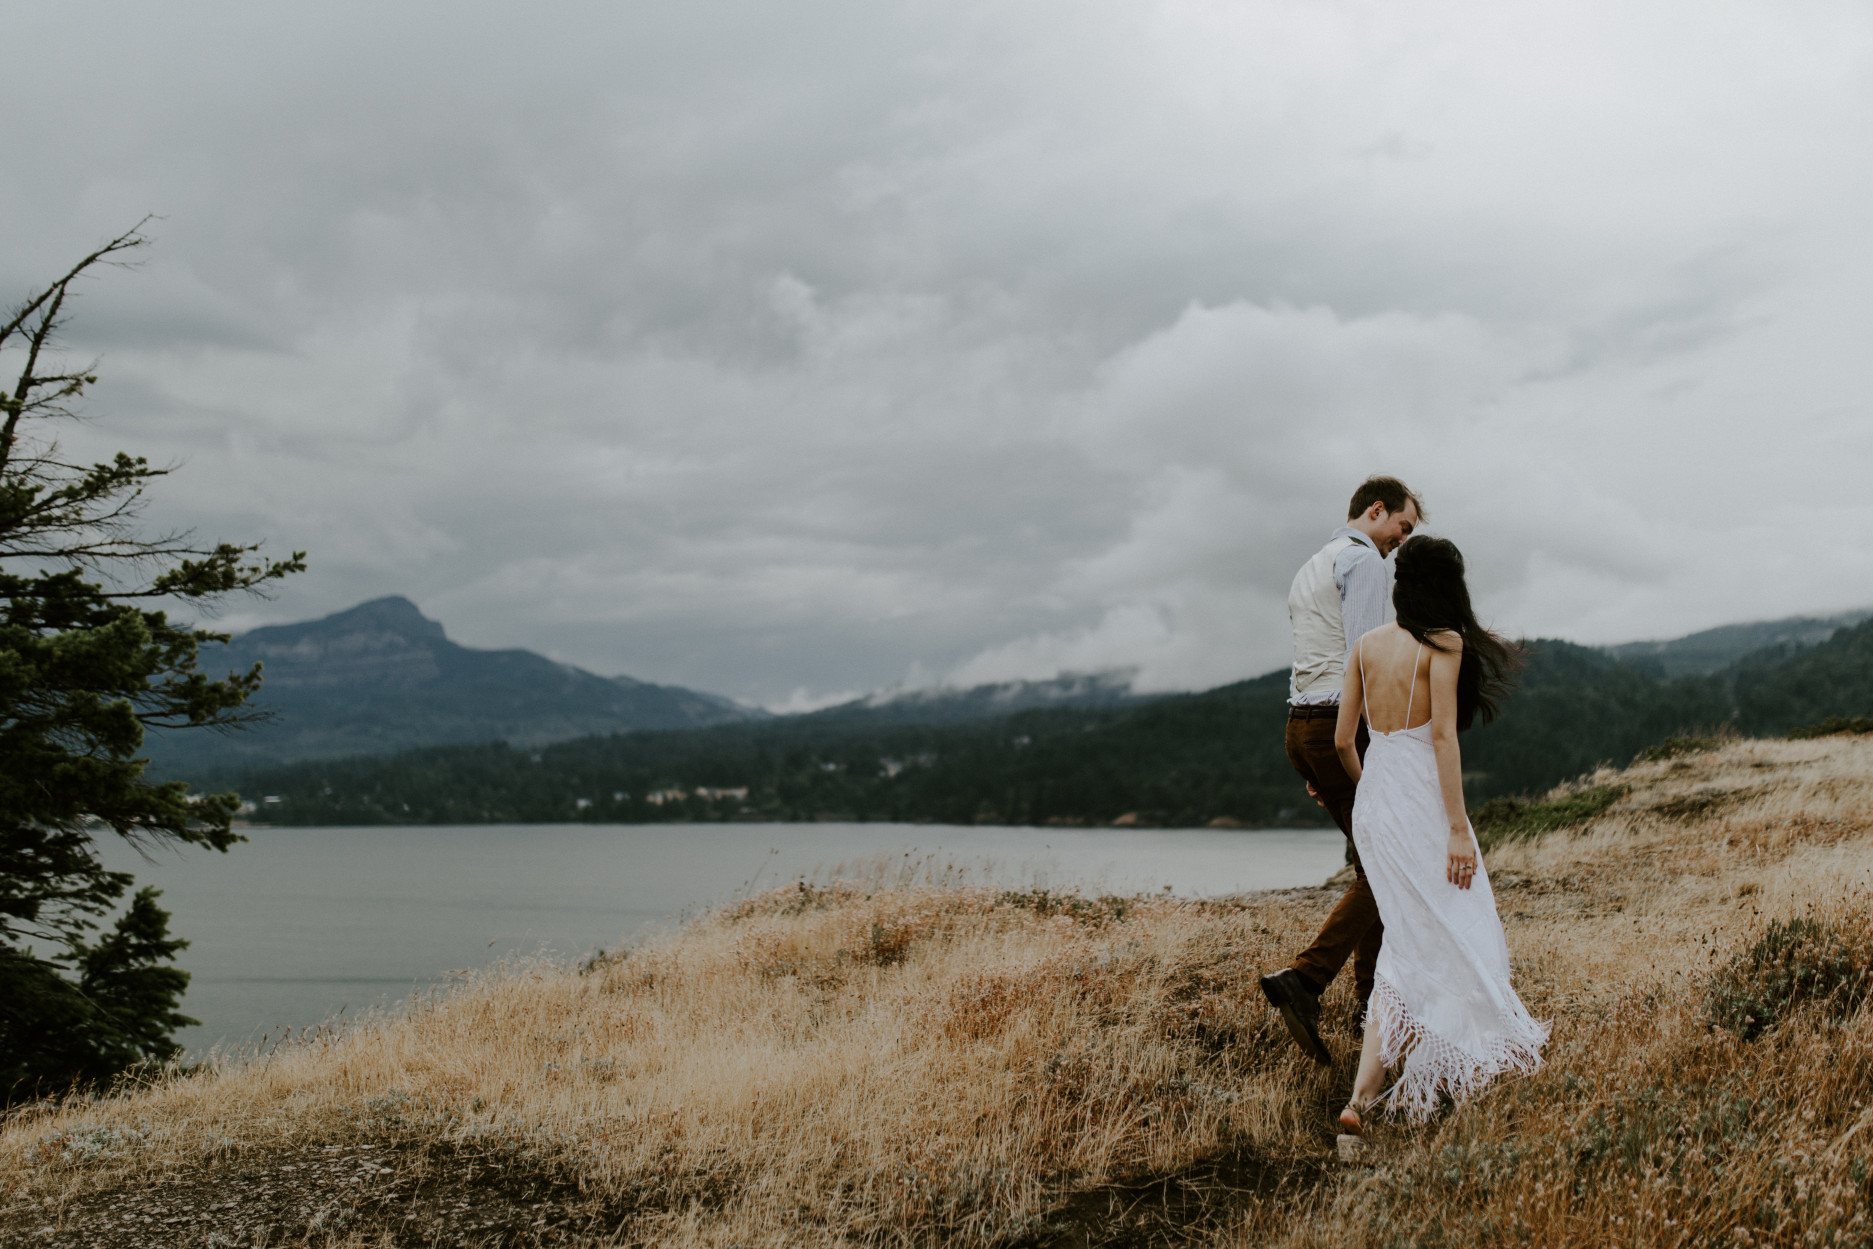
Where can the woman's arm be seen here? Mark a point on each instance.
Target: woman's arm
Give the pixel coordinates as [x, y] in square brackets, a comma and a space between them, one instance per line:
[1346, 728]
[1444, 664]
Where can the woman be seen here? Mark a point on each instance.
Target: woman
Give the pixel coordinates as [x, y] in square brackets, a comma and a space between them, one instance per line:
[1442, 1000]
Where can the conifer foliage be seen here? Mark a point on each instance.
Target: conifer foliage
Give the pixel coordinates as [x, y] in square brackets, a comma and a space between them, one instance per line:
[89, 658]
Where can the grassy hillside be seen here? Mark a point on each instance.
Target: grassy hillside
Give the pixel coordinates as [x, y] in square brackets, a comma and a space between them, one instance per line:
[903, 1062]
[1178, 761]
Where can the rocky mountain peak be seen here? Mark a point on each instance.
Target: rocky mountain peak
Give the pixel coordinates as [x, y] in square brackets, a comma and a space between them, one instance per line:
[391, 614]
[384, 640]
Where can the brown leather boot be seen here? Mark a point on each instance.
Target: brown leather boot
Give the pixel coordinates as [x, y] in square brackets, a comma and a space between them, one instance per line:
[1299, 1003]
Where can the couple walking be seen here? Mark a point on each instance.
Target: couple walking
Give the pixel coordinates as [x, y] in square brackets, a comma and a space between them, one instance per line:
[1390, 664]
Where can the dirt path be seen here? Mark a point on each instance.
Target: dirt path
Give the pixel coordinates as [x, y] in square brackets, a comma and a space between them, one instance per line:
[323, 1194]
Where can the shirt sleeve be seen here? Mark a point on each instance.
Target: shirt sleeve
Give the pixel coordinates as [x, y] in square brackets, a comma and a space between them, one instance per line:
[1365, 591]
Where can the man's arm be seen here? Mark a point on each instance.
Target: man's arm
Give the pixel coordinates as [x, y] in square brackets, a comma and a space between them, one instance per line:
[1346, 727]
[1365, 592]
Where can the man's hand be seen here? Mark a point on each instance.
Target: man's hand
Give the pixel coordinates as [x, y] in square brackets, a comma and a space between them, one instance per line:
[1315, 795]
[1462, 869]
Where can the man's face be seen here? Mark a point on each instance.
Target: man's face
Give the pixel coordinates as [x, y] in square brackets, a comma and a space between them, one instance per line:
[1393, 527]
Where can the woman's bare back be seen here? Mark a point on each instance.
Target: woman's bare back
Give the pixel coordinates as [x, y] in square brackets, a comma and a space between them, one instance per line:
[1395, 673]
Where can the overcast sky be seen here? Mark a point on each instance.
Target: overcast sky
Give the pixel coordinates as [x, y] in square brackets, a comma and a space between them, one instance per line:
[793, 350]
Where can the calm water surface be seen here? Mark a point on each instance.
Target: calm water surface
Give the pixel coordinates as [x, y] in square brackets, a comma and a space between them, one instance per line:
[300, 924]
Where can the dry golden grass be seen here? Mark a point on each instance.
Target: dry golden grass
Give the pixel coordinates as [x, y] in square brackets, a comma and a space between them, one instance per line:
[893, 1063]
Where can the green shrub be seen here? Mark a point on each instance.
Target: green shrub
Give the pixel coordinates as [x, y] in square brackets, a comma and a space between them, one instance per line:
[1508, 819]
[1794, 961]
[1674, 747]
[1833, 725]
[1103, 909]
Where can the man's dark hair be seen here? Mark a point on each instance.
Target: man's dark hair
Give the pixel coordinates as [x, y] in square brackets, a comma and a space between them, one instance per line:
[1387, 490]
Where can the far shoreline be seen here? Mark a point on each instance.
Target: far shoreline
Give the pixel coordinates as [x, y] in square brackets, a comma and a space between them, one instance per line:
[1212, 827]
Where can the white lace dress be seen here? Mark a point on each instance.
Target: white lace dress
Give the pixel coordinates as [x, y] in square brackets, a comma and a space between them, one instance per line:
[1441, 999]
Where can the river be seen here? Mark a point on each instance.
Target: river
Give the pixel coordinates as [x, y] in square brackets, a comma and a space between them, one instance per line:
[299, 925]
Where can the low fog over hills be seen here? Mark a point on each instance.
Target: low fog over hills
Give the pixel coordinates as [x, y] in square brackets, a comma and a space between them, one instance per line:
[1182, 760]
[382, 678]
[1701, 653]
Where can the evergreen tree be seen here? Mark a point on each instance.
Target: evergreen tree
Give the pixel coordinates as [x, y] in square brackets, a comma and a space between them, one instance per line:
[89, 659]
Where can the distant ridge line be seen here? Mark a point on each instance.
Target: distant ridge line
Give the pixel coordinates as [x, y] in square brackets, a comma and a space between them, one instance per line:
[1706, 651]
[380, 677]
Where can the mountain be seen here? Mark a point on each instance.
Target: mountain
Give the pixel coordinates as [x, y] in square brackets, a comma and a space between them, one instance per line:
[1180, 760]
[382, 677]
[1699, 654]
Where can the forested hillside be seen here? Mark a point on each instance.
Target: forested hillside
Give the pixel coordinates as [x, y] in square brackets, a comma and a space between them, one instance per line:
[1785, 688]
[1711, 650]
[1178, 761]
[1170, 759]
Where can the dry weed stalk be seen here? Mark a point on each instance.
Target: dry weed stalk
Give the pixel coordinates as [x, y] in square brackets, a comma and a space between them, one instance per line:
[880, 1063]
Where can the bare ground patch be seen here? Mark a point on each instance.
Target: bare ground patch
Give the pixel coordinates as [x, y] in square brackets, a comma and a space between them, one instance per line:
[319, 1195]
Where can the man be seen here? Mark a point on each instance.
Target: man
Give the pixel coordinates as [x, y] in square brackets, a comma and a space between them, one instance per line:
[1342, 592]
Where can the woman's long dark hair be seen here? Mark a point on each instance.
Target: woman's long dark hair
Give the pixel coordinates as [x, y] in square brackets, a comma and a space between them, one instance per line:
[1430, 594]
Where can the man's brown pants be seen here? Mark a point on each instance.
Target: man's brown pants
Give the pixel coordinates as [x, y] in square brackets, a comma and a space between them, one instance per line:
[1353, 929]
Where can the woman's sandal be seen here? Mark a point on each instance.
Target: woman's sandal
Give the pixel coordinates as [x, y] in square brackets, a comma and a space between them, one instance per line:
[1350, 1119]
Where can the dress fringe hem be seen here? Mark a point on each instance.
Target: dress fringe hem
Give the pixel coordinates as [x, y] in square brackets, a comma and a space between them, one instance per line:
[1435, 1067]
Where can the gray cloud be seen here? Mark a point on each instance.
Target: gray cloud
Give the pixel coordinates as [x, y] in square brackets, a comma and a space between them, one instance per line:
[786, 352]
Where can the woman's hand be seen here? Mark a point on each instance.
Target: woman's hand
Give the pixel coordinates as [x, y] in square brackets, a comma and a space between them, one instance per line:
[1462, 869]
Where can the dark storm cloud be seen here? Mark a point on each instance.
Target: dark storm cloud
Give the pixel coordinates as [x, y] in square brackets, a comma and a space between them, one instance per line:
[785, 352]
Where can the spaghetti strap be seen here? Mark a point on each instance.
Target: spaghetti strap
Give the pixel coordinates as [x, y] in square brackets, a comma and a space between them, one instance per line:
[1413, 686]
[1365, 704]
